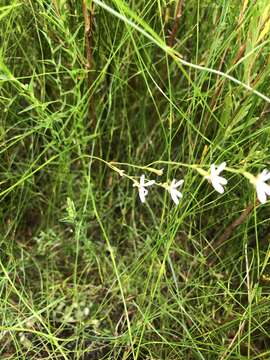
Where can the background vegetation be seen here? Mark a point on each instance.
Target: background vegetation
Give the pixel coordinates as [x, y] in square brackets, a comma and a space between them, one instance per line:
[87, 271]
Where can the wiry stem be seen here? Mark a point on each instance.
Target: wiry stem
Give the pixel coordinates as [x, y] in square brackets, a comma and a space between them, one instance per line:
[176, 22]
[232, 227]
[154, 38]
[88, 16]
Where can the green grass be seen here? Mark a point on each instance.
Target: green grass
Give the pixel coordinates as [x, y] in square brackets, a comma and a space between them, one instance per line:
[86, 270]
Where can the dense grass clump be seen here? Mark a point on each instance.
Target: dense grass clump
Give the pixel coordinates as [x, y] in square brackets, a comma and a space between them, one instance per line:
[94, 94]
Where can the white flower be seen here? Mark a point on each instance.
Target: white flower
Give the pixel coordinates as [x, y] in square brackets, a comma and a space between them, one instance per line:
[175, 194]
[141, 186]
[216, 180]
[262, 188]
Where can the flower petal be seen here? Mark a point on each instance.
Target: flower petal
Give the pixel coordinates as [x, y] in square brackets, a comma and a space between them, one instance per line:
[265, 188]
[213, 170]
[149, 183]
[217, 186]
[221, 167]
[175, 194]
[221, 180]
[142, 180]
[265, 175]
[261, 194]
[142, 194]
[179, 183]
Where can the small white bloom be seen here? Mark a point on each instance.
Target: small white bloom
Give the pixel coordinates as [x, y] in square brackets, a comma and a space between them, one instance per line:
[141, 186]
[175, 194]
[216, 180]
[262, 188]
[86, 311]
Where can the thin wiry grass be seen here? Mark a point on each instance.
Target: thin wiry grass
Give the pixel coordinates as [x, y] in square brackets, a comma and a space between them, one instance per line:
[87, 271]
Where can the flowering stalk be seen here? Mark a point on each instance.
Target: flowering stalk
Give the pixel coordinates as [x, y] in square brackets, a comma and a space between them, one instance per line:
[212, 176]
